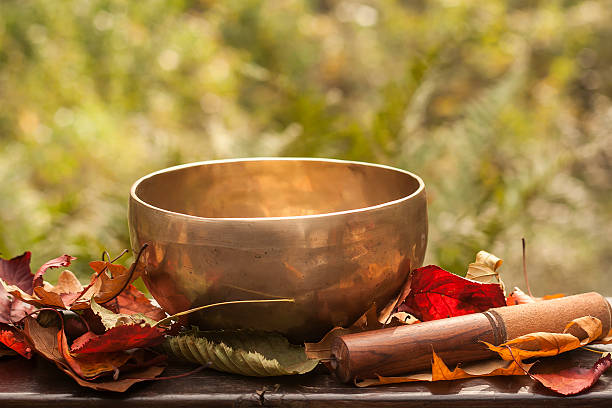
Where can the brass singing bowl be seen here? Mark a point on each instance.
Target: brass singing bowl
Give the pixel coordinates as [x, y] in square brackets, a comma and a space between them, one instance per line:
[334, 235]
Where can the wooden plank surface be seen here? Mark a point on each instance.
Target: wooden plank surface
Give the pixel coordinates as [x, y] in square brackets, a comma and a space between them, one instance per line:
[38, 383]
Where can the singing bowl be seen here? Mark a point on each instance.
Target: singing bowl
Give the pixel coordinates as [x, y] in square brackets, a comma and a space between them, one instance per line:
[335, 236]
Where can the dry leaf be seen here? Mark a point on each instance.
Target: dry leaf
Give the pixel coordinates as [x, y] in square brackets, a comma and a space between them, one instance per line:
[45, 342]
[518, 297]
[569, 381]
[401, 319]
[119, 279]
[91, 365]
[132, 301]
[387, 312]
[553, 296]
[16, 272]
[577, 333]
[123, 383]
[66, 283]
[63, 295]
[124, 337]
[44, 296]
[322, 349]
[15, 340]
[441, 372]
[111, 320]
[123, 332]
[60, 261]
[606, 340]
[484, 269]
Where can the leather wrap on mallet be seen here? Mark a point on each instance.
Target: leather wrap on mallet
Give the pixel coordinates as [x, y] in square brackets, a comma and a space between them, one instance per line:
[405, 349]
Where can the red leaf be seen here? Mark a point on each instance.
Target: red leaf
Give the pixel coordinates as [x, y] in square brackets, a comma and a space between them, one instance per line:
[438, 294]
[16, 272]
[573, 380]
[63, 260]
[131, 301]
[91, 365]
[49, 343]
[13, 339]
[124, 337]
[13, 311]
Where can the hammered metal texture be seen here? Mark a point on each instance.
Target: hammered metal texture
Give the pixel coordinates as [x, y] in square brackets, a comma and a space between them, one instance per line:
[334, 235]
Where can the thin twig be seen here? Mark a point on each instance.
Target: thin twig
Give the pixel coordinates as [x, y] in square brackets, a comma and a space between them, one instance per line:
[594, 351]
[525, 269]
[125, 251]
[106, 255]
[93, 281]
[172, 377]
[131, 273]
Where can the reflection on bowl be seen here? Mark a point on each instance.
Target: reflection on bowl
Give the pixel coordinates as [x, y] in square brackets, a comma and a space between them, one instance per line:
[334, 235]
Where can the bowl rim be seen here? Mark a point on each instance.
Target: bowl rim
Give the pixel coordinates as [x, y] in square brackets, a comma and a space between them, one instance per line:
[134, 196]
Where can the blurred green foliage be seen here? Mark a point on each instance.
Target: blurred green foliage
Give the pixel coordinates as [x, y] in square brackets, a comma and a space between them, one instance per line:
[503, 107]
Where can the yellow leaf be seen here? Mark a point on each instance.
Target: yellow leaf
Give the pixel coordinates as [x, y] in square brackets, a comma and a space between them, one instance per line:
[441, 372]
[487, 368]
[484, 269]
[605, 340]
[577, 333]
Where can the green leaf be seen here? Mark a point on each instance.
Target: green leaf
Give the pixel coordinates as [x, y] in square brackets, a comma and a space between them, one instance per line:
[246, 352]
[111, 319]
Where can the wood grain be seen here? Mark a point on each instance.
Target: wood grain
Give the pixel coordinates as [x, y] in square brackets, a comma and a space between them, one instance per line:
[405, 349]
[39, 384]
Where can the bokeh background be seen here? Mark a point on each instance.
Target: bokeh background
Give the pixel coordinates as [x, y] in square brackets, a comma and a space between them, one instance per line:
[503, 107]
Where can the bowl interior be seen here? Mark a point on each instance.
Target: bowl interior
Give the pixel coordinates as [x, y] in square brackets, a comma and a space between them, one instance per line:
[273, 188]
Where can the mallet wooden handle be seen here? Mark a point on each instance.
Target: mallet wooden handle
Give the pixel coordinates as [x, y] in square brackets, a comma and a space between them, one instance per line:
[405, 349]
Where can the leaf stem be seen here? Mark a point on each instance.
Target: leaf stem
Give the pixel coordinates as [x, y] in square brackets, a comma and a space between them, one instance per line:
[125, 251]
[132, 269]
[231, 302]
[172, 377]
[518, 362]
[525, 268]
[93, 281]
[594, 351]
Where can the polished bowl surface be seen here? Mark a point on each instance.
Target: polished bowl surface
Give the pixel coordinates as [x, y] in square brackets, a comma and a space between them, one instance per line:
[334, 235]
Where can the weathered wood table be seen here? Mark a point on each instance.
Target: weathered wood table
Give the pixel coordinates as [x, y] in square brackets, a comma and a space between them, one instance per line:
[37, 383]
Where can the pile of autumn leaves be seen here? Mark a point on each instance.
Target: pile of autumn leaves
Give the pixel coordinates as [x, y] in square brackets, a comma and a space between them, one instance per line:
[432, 293]
[103, 335]
[99, 334]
